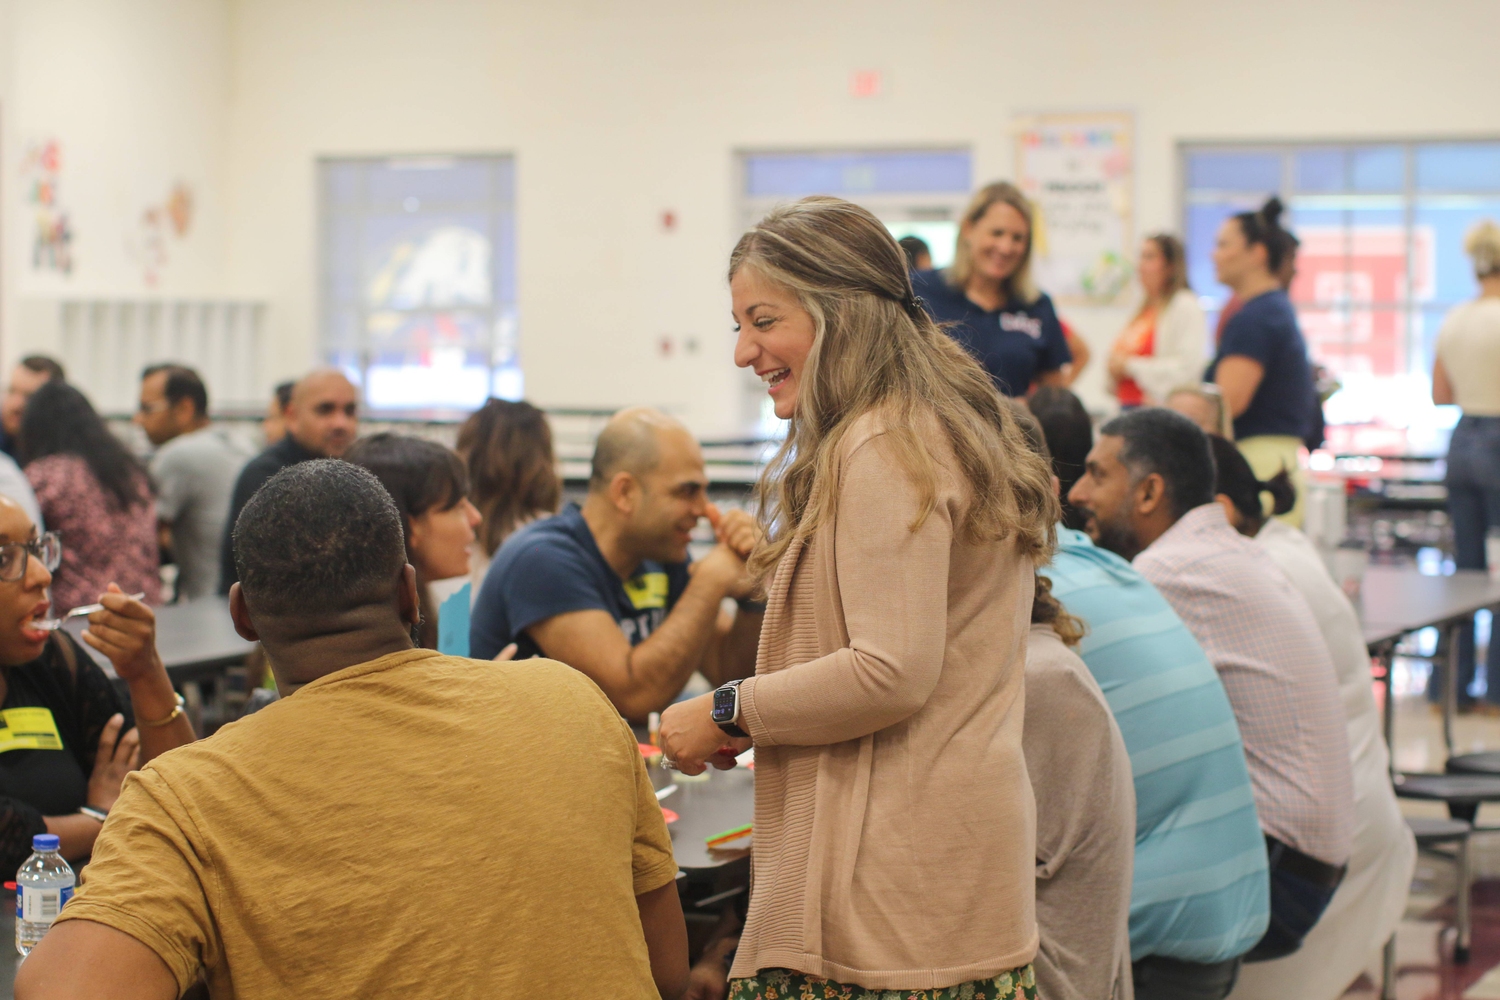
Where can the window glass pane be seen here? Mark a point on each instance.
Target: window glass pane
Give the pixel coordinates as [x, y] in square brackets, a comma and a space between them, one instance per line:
[1321, 170]
[415, 183]
[1444, 223]
[1234, 171]
[1203, 222]
[419, 278]
[342, 183]
[1468, 166]
[795, 175]
[1379, 168]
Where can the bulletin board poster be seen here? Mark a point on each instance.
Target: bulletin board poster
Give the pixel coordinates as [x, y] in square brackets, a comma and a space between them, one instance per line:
[1078, 170]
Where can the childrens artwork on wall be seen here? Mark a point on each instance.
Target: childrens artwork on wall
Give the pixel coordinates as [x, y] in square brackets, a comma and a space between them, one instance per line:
[1078, 171]
[159, 225]
[52, 242]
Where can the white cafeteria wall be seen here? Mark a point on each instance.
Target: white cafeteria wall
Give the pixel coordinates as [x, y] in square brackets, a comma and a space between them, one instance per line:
[619, 112]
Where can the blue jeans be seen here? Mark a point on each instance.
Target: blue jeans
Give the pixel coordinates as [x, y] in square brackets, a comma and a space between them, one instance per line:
[1474, 506]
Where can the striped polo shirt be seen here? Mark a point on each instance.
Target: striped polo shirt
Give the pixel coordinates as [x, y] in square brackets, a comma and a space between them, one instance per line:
[1200, 890]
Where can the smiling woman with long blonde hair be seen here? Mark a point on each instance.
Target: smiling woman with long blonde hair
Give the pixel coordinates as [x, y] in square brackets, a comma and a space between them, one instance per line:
[903, 517]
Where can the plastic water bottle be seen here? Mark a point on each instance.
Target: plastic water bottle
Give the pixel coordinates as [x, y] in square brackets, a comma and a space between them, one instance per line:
[44, 883]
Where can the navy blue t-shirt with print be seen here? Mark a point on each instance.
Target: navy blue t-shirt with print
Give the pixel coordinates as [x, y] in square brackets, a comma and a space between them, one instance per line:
[1015, 344]
[1265, 330]
[554, 566]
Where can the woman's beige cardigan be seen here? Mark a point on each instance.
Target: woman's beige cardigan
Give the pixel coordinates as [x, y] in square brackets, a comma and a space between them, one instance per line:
[894, 821]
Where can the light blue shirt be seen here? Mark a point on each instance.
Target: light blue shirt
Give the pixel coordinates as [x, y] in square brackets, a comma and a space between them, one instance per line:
[1200, 890]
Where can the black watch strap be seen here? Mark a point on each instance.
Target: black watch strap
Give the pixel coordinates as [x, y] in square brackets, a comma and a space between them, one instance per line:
[726, 704]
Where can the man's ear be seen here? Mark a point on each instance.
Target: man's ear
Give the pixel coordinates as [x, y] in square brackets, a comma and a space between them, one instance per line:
[624, 491]
[1150, 494]
[1231, 513]
[239, 612]
[407, 600]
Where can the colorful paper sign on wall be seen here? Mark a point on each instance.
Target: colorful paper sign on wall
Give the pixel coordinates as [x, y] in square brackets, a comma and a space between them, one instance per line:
[1078, 170]
[41, 176]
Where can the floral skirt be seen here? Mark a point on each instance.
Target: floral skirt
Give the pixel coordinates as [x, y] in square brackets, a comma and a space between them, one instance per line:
[784, 984]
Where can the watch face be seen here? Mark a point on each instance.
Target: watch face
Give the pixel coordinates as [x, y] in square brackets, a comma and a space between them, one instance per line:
[724, 705]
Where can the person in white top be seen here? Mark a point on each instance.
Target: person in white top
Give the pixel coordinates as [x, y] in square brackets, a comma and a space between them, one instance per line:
[1369, 902]
[1164, 345]
[1467, 372]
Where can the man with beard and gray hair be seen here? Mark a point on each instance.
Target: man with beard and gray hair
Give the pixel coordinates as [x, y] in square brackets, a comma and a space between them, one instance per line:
[1148, 491]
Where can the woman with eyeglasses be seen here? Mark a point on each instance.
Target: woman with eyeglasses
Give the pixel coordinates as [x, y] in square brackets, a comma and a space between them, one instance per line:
[69, 739]
[95, 494]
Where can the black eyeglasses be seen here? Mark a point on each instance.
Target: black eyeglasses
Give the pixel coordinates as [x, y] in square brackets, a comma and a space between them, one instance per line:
[13, 555]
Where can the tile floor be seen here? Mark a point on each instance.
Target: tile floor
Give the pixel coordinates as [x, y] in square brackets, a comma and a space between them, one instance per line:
[1424, 941]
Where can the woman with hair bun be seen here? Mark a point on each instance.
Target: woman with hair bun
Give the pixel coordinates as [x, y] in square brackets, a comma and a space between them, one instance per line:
[904, 517]
[1466, 372]
[987, 300]
[1261, 366]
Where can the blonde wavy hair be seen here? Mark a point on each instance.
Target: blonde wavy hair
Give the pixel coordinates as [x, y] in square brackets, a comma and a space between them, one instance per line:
[1482, 244]
[874, 347]
[1020, 288]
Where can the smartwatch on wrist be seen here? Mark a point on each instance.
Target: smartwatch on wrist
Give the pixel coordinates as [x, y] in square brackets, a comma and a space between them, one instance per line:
[727, 709]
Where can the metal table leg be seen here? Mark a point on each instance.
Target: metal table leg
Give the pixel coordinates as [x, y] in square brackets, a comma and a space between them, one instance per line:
[1388, 969]
[1450, 686]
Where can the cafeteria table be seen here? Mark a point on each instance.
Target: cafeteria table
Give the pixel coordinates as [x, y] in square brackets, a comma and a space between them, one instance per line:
[1395, 601]
[705, 808]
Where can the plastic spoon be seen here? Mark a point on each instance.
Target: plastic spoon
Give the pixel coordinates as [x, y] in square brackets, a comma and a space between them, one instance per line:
[53, 624]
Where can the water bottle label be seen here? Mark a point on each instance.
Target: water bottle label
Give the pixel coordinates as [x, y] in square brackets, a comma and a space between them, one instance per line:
[41, 904]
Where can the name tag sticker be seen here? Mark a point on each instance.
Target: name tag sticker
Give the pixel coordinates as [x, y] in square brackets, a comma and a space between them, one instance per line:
[647, 590]
[29, 729]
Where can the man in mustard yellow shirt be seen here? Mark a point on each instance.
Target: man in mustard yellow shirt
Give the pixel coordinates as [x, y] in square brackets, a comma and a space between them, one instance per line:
[400, 823]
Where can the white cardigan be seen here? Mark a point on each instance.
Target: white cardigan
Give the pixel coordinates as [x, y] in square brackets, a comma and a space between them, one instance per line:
[1179, 350]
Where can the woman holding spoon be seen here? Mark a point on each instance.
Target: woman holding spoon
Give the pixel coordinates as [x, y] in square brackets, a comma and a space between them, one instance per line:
[68, 739]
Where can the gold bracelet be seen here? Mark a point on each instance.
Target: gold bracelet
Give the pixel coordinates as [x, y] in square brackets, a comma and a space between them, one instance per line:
[176, 711]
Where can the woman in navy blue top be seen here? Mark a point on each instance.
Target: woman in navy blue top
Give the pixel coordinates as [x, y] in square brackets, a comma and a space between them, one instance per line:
[1261, 366]
[987, 302]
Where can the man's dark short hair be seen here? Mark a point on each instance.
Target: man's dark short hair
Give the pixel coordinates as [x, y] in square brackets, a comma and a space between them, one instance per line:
[319, 538]
[1172, 446]
[182, 383]
[43, 365]
[913, 247]
[283, 393]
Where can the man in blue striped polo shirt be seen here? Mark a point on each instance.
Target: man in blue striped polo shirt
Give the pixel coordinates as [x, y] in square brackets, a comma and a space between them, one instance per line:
[1200, 898]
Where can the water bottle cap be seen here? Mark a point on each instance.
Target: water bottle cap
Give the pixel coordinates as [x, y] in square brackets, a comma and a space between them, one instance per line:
[44, 842]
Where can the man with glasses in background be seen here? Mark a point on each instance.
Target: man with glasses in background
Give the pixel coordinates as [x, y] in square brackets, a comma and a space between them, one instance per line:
[322, 421]
[194, 469]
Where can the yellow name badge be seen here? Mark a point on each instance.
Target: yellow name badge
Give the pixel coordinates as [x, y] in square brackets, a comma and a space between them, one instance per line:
[646, 591]
[28, 729]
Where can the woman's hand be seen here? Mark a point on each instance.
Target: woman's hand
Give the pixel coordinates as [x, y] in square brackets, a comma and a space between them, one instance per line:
[692, 740]
[1117, 366]
[125, 631]
[508, 653]
[116, 757]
